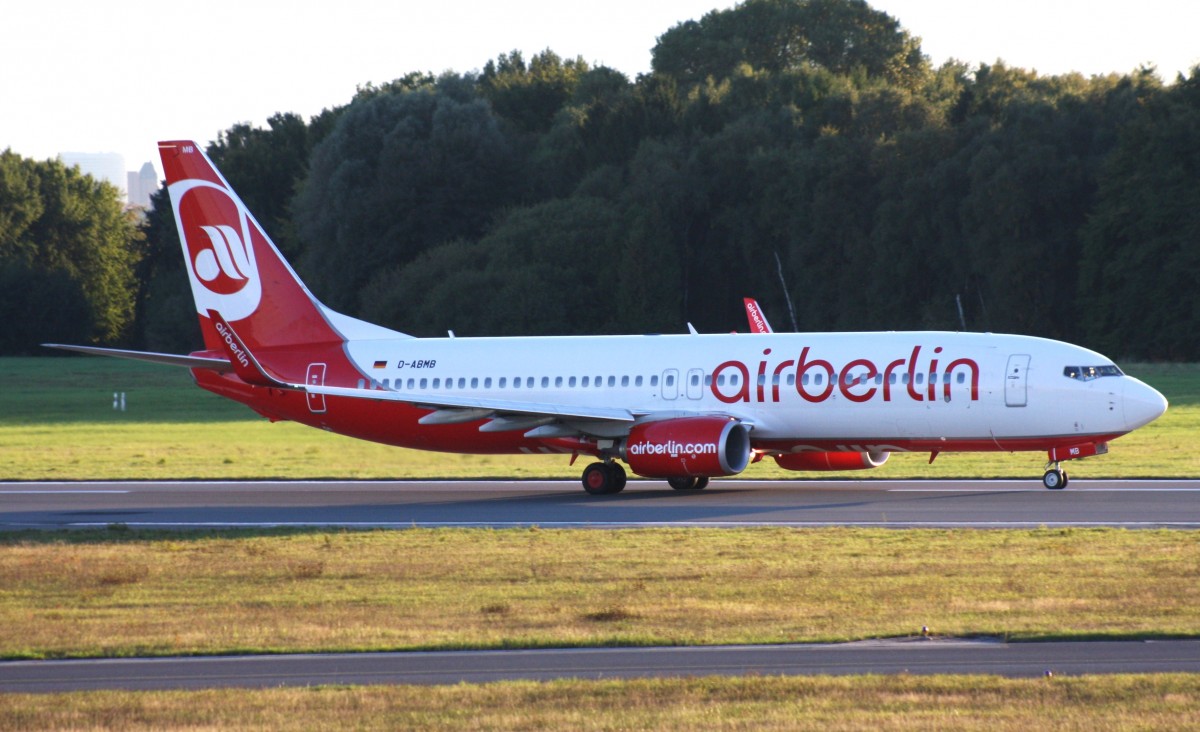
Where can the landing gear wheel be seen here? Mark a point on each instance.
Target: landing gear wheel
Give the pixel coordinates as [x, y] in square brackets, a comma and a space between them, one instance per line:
[617, 474]
[597, 480]
[685, 483]
[1055, 479]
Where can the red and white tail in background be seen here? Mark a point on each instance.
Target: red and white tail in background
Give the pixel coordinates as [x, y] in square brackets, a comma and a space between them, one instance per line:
[236, 271]
[754, 314]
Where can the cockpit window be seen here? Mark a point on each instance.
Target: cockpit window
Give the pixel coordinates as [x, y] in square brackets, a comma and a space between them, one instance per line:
[1087, 373]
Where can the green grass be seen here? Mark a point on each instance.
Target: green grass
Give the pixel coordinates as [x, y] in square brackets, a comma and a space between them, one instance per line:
[114, 593]
[57, 422]
[1124, 702]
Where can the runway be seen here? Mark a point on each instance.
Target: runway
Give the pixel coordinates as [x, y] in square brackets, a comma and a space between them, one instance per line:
[499, 504]
[914, 656]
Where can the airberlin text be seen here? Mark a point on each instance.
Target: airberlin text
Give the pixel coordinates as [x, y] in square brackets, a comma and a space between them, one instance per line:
[672, 448]
[234, 347]
[859, 380]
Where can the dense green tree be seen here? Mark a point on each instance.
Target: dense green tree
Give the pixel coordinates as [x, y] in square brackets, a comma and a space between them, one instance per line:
[841, 36]
[530, 95]
[67, 251]
[1141, 261]
[545, 269]
[399, 173]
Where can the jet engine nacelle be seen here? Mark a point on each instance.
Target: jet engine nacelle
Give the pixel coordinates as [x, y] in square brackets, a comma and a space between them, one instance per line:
[694, 447]
[816, 460]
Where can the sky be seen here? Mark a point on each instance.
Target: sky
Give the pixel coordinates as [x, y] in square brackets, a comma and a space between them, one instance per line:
[87, 76]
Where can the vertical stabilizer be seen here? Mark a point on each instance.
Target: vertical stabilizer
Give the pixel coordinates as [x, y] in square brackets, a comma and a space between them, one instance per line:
[233, 266]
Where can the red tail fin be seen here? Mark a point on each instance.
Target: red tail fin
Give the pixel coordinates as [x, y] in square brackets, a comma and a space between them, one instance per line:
[754, 314]
[235, 269]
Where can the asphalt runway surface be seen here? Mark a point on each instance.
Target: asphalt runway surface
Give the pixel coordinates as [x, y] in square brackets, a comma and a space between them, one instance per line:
[730, 503]
[916, 656]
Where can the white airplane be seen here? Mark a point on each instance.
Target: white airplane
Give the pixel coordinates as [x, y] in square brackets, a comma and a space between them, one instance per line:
[685, 408]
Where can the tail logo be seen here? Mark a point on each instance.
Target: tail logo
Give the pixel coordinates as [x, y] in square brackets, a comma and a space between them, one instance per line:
[227, 256]
[218, 236]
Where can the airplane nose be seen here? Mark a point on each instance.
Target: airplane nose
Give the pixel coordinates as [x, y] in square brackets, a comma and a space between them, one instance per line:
[1142, 403]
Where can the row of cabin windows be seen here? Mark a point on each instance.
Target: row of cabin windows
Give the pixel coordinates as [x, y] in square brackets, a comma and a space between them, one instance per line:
[520, 382]
[586, 382]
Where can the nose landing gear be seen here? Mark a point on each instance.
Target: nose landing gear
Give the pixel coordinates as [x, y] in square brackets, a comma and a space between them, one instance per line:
[1055, 478]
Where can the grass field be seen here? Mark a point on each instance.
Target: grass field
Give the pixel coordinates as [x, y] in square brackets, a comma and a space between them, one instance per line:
[123, 593]
[1158, 702]
[57, 422]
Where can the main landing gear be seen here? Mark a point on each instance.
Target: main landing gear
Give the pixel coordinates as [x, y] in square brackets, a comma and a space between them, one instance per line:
[1055, 478]
[603, 478]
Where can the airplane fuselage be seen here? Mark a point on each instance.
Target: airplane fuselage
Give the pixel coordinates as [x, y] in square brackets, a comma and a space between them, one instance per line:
[888, 391]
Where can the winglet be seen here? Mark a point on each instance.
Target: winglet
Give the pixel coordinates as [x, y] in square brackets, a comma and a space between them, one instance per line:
[245, 365]
[754, 314]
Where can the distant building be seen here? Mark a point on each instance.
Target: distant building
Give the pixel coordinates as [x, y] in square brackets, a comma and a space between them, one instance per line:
[101, 166]
[142, 185]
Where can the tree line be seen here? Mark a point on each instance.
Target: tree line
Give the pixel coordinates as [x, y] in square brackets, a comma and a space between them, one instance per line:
[804, 152]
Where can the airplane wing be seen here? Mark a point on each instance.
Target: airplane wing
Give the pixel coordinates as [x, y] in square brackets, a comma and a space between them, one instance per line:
[220, 365]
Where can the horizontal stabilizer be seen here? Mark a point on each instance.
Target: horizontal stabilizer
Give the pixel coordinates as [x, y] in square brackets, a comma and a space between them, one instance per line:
[244, 364]
[220, 365]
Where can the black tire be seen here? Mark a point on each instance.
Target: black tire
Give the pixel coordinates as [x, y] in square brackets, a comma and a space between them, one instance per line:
[597, 479]
[1055, 480]
[701, 483]
[682, 483]
[617, 475]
